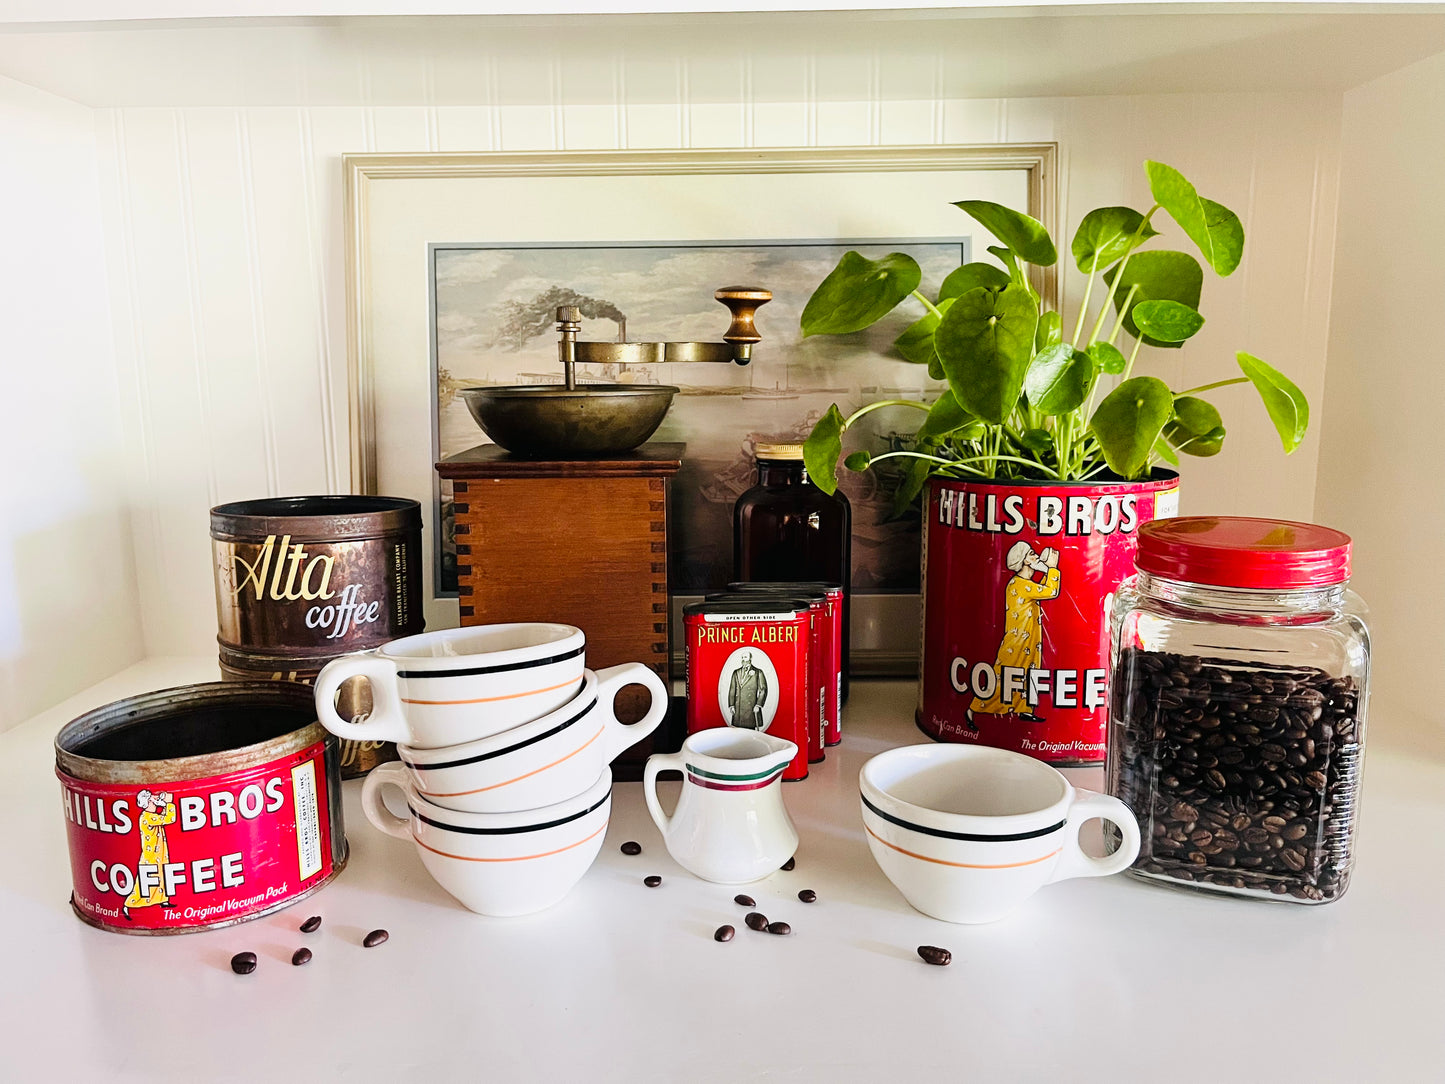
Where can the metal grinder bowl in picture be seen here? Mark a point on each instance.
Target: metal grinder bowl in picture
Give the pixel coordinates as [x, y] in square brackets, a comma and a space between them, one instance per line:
[572, 419]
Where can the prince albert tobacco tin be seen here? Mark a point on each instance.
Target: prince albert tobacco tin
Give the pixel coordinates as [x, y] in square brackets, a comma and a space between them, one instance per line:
[200, 806]
[748, 666]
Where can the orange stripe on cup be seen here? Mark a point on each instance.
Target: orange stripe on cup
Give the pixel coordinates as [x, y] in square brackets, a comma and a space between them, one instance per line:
[959, 865]
[492, 699]
[518, 858]
[518, 779]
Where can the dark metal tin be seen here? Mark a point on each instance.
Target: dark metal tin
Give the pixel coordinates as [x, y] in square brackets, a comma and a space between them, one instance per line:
[224, 753]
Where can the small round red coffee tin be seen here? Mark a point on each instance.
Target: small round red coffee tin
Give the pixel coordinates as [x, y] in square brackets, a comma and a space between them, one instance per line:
[201, 806]
[748, 666]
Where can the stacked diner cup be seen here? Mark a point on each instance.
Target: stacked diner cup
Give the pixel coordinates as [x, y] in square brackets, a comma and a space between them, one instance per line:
[506, 741]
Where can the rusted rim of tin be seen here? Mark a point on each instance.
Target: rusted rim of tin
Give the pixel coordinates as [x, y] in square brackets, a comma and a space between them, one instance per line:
[335, 517]
[1105, 483]
[184, 699]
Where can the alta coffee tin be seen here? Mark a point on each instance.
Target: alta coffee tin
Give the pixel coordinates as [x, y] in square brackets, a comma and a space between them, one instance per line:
[1018, 579]
[833, 640]
[200, 806]
[303, 580]
[747, 666]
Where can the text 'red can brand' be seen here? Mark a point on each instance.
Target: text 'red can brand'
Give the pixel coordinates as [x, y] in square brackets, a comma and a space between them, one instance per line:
[748, 665]
[172, 844]
[1018, 579]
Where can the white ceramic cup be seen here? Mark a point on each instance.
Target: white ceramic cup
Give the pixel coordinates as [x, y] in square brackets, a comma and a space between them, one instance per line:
[500, 864]
[542, 762]
[967, 833]
[457, 685]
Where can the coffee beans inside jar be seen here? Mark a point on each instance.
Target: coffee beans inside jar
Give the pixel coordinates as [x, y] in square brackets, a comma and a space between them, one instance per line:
[1237, 706]
[1244, 776]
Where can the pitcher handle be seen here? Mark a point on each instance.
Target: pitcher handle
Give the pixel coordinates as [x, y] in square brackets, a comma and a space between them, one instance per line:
[658, 762]
[610, 682]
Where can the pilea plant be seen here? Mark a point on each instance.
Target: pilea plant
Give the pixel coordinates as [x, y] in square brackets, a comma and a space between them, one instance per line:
[1023, 400]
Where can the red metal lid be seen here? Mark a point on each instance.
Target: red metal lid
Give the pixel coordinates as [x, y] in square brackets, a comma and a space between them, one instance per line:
[1234, 551]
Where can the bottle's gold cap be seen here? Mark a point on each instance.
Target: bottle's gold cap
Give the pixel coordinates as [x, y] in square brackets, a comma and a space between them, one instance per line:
[778, 451]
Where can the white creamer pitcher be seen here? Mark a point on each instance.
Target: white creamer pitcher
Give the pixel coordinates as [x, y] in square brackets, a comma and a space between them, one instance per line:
[730, 825]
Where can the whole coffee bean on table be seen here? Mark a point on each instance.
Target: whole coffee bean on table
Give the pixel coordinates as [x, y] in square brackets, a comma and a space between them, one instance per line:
[631, 847]
[782, 929]
[1244, 775]
[932, 954]
[808, 896]
[300, 956]
[243, 963]
[745, 901]
[723, 933]
[789, 864]
[311, 925]
[374, 938]
[652, 881]
[755, 921]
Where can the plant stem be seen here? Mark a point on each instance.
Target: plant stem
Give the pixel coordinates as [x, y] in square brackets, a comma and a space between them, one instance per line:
[884, 403]
[1210, 387]
[1129, 367]
[929, 305]
[965, 462]
[1118, 275]
[1084, 308]
[1123, 310]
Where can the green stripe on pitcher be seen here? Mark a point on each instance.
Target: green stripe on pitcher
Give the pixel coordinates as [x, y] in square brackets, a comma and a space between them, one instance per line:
[730, 778]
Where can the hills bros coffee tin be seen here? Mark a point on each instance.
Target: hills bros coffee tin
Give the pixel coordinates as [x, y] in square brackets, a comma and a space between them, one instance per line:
[748, 666]
[1018, 581]
[303, 580]
[201, 806]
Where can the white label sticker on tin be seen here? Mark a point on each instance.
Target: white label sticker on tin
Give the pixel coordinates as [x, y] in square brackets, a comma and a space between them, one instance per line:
[308, 819]
[1166, 503]
[758, 616]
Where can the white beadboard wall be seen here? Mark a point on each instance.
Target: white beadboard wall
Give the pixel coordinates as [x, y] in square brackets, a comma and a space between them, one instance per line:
[224, 242]
[69, 609]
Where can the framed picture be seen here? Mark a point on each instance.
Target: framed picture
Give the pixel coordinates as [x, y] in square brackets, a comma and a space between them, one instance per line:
[457, 262]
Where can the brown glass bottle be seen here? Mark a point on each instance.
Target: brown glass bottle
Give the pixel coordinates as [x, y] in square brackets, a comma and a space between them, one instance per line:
[787, 529]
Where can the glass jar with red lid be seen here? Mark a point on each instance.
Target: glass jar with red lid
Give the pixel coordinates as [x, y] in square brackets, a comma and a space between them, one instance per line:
[1240, 673]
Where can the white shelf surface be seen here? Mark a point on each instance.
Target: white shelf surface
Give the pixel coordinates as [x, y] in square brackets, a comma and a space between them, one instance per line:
[1107, 980]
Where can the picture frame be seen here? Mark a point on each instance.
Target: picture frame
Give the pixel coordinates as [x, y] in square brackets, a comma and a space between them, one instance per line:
[398, 207]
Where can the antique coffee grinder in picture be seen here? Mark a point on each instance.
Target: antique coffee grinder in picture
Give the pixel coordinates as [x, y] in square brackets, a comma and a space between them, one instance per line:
[564, 517]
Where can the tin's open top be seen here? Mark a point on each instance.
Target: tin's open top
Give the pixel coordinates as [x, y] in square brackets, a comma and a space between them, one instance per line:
[188, 732]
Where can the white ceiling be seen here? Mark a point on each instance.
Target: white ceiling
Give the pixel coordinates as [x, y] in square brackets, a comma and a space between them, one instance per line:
[826, 55]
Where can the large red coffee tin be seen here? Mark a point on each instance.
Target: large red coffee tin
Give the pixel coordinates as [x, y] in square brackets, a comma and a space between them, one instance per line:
[1018, 578]
[198, 807]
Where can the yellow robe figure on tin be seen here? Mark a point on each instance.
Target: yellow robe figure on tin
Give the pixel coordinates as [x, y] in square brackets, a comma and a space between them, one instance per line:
[157, 811]
[1022, 643]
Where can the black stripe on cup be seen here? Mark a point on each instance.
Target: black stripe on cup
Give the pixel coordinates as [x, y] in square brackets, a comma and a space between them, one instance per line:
[509, 749]
[971, 837]
[502, 668]
[511, 831]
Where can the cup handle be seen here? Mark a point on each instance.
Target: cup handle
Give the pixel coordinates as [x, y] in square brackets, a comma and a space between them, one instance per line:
[377, 813]
[658, 762]
[1088, 805]
[386, 721]
[609, 683]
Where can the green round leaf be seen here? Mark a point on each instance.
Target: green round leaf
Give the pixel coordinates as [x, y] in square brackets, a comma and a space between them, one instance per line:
[969, 277]
[1166, 453]
[1160, 275]
[1212, 226]
[911, 484]
[985, 342]
[916, 344]
[1196, 427]
[822, 449]
[1036, 440]
[1107, 358]
[944, 417]
[1050, 331]
[1024, 235]
[1288, 408]
[859, 292]
[1058, 380]
[1167, 321]
[858, 461]
[1128, 423]
[1106, 234]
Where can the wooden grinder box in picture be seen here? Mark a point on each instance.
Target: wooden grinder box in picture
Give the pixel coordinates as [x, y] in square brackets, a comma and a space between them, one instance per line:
[580, 541]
